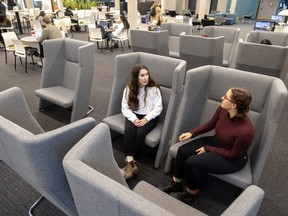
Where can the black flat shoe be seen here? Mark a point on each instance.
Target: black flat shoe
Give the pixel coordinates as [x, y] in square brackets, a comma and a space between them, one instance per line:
[173, 187]
[186, 197]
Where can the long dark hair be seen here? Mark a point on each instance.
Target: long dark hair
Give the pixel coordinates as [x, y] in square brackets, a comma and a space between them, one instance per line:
[125, 21]
[134, 86]
[242, 98]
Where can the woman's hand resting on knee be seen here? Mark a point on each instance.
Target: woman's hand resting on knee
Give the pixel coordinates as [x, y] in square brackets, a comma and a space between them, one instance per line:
[185, 136]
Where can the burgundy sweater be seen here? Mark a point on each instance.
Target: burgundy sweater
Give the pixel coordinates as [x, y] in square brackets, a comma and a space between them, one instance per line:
[235, 135]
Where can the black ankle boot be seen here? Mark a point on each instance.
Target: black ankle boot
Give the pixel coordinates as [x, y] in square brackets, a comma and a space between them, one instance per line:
[173, 187]
[186, 197]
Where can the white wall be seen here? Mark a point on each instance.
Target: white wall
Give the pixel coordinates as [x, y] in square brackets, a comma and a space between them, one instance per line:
[221, 6]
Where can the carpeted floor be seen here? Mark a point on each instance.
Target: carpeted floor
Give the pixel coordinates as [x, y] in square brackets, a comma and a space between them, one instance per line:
[16, 196]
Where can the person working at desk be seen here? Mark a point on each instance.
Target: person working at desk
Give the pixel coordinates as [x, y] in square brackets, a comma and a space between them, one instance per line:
[69, 13]
[122, 24]
[50, 32]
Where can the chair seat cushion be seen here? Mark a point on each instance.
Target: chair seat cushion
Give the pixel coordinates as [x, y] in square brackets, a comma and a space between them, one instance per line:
[117, 123]
[242, 178]
[58, 95]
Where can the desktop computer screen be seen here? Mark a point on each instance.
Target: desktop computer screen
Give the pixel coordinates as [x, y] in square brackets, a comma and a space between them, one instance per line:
[277, 18]
[264, 26]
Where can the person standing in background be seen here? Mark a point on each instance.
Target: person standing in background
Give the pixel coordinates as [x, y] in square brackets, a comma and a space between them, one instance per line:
[156, 14]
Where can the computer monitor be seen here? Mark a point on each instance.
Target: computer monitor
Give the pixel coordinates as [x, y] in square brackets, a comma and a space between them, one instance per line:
[38, 33]
[277, 18]
[102, 24]
[261, 25]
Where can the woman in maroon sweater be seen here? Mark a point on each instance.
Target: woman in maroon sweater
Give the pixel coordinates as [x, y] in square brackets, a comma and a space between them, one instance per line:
[223, 153]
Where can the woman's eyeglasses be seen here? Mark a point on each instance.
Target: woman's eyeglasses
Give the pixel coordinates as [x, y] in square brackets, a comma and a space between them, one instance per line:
[225, 97]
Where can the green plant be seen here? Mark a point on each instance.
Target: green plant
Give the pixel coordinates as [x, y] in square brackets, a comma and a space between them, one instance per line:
[79, 4]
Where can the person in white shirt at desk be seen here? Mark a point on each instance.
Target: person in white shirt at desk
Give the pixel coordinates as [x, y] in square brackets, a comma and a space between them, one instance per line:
[50, 32]
[122, 24]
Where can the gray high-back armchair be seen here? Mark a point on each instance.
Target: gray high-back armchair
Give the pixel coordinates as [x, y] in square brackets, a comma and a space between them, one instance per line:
[67, 76]
[174, 30]
[204, 87]
[98, 186]
[199, 51]
[155, 42]
[263, 59]
[169, 73]
[276, 38]
[37, 156]
[231, 40]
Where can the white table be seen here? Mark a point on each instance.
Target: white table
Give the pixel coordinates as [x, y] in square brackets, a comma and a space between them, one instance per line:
[29, 39]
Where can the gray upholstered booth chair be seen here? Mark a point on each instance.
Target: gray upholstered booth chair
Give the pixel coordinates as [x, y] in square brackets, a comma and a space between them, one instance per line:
[263, 59]
[174, 30]
[67, 76]
[203, 89]
[276, 38]
[169, 73]
[231, 39]
[199, 51]
[37, 156]
[98, 186]
[155, 42]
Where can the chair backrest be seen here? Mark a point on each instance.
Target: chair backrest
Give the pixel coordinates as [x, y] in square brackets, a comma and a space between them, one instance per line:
[174, 30]
[69, 63]
[38, 158]
[124, 34]
[231, 40]
[96, 181]
[276, 38]
[204, 87]
[199, 51]
[263, 59]
[7, 37]
[155, 42]
[67, 21]
[95, 33]
[19, 47]
[169, 73]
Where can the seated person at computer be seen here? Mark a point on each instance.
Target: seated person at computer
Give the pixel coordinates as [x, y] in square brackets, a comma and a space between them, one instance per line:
[122, 24]
[68, 12]
[49, 32]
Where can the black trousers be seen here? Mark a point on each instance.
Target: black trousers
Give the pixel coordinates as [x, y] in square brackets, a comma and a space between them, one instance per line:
[41, 50]
[190, 165]
[135, 136]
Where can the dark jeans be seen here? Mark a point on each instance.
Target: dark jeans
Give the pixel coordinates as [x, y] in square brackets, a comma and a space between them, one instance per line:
[41, 50]
[135, 136]
[190, 165]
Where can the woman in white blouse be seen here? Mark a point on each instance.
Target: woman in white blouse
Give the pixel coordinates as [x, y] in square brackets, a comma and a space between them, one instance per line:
[141, 106]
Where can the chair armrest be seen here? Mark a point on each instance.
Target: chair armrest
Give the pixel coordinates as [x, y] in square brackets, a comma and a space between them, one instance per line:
[248, 203]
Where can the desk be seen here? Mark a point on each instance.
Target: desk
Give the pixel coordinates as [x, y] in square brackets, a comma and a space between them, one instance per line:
[18, 20]
[29, 39]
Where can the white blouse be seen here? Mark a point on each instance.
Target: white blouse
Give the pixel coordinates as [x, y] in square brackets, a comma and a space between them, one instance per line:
[153, 106]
